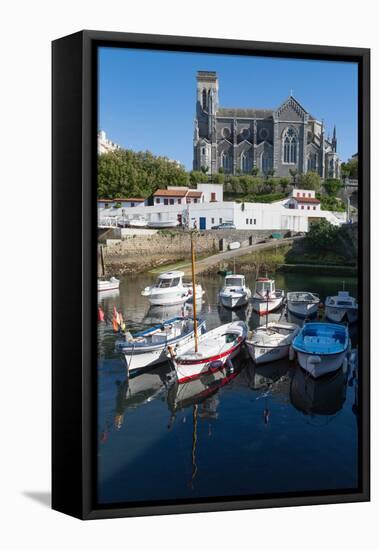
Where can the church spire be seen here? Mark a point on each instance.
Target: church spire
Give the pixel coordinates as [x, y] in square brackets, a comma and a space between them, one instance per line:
[334, 140]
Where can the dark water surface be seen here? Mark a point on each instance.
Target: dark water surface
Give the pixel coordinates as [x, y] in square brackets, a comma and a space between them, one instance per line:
[249, 431]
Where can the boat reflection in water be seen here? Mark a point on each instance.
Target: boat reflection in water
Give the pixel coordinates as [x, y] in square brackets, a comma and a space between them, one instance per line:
[318, 397]
[264, 376]
[141, 388]
[157, 314]
[202, 390]
[228, 315]
[105, 295]
[256, 320]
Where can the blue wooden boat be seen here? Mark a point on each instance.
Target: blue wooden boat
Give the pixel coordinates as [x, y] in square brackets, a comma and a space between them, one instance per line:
[321, 347]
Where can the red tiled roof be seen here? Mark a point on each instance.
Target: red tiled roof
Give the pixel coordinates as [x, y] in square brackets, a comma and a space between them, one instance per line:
[171, 192]
[195, 194]
[309, 200]
[122, 200]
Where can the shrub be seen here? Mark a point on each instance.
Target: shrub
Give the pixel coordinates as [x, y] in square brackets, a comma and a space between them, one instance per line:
[332, 186]
[310, 180]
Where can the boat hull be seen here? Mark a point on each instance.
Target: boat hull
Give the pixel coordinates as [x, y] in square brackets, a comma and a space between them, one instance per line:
[112, 284]
[338, 314]
[302, 310]
[263, 306]
[192, 370]
[233, 301]
[319, 365]
[265, 354]
[139, 358]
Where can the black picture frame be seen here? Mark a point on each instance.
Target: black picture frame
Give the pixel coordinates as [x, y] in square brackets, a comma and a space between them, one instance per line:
[74, 133]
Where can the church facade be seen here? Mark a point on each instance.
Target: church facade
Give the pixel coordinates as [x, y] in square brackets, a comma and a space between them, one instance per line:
[239, 140]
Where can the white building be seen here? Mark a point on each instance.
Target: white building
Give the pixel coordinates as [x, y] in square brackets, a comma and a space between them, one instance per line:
[204, 192]
[125, 203]
[303, 199]
[248, 215]
[105, 145]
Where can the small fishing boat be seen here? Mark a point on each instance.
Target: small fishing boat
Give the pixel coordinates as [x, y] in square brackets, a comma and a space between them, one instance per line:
[170, 290]
[137, 221]
[209, 352]
[163, 224]
[235, 293]
[149, 347]
[108, 284]
[266, 298]
[342, 307]
[321, 347]
[303, 304]
[235, 245]
[271, 342]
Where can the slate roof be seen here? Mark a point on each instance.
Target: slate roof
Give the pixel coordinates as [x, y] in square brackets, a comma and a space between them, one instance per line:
[244, 113]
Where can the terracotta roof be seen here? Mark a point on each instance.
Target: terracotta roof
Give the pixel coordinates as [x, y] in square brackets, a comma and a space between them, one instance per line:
[307, 199]
[195, 194]
[171, 192]
[133, 199]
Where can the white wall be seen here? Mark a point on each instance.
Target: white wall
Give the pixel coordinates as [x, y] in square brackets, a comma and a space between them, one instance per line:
[209, 188]
[25, 404]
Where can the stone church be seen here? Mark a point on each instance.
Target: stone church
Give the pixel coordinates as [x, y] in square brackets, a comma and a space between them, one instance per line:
[269, 139]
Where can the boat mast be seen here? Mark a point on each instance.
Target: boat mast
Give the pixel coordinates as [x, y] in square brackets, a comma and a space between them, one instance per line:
[194, 291]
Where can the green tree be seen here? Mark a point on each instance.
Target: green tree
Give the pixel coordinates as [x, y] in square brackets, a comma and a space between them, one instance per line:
[204, 169]
[293, 172]
[332, 186]
[350, 168]
[126, 173]
[310, 180]
[255, 171]
[284, 183]
[196, 177]
[321, 236]
[218, 178]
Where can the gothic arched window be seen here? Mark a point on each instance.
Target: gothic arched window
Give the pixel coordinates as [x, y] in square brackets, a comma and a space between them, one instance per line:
[312, 162]
[266, 163]
[290, 146]
[245, 162]
[225, 161]
[204, 98]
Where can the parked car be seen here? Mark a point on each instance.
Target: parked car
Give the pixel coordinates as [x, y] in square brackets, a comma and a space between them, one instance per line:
[225, 225]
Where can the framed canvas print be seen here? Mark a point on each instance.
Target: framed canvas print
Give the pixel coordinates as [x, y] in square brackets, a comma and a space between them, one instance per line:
[210, 274]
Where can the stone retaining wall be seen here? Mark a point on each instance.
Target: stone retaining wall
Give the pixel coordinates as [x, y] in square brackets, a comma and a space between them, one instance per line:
[139, 253]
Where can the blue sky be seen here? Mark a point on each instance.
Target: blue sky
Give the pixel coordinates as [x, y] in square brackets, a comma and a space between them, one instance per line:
[147, 98]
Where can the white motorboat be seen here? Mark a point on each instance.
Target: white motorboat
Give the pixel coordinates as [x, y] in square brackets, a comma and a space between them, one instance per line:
[170, 290]
[209, 352]
[321, 347]
[108, 284]
[266, 298]
[163, 224]
[271, 342]
[342, 307]
[137, 221]
[235, 293]
[303, 304]
[150, 346]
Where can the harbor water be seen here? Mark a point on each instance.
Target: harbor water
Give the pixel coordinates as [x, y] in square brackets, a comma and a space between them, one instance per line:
[247, 431]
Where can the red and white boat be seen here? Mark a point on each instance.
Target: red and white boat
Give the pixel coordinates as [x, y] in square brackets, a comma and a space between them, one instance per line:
[211, 351]
[266, 298]
[110, 284]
